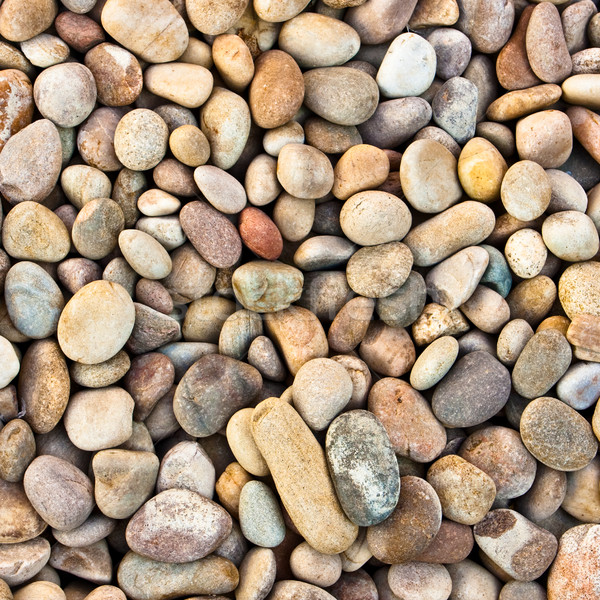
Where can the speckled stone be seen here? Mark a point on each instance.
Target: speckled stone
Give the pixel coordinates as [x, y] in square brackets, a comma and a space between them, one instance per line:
[260, 516]
[411, 527]
[455, 108]
[349, 457]
[409, 579]
[19, 562]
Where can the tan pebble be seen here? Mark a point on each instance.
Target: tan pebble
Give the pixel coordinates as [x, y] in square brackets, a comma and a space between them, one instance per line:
[361, 167]
[532, 299]
[45, 50]
[571, 235]
[429, 13]
[239, 437]
[215, 19]
[221, 189]
[350, 325]
[314, 567]
[481, 169]
[184, 84]
[498, 134]
[434, 362]
[294, 216]
[526, 253]
[15, 90]
[16, 28]
[257, 574]
[435, 321]
[157, 203]
[279, 431]
[40, 590]
[520, 103]
[17, 450]
[578, 289]
[545, 137]
[156, 32]
[233, 61]
[586, 126]
[189, 145]
[261, 183]
[486, 309]
[329, 137]
[526, 190]
[582, 90]
[205, 317]
[95, 139]
[304, 172]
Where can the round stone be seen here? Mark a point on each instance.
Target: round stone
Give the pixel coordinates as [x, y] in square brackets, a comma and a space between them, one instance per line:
[410, 579]
[97, 227]
[579, 289]
[545, 138]
[434, 362]
[304, 171]
[96, 322]
[145, 255]
[571, 235]
[526, 190]
[481, 169]
[315, 567]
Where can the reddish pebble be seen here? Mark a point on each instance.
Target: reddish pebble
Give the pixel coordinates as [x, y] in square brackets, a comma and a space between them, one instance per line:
[78, 31]
[260, 234]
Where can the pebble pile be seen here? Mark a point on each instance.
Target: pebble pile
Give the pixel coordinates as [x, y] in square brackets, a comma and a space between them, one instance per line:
[299, 300]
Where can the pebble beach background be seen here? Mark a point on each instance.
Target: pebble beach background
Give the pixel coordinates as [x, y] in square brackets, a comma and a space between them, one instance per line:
[299, 300]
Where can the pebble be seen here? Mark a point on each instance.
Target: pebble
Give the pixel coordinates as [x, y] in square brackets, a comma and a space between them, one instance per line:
[79, 31]
[569, 447]
[542, 362]
[481, 169]
[525, 190]
[507, 538]
[59, 492]
[92, 563]
[95, 528]
[407, 580]
[577, 290]
[426, 437]
[387, 350]
[534, 143]
[519, 103]
[185, 84]
[314, 567]
[21, 561]
[341, 95]
[512, 339]
[30, 163]
[433, 363]
[17, 445]
[99, 419]
[453, 52]
[474, 390]
[379, 22]
[241, 442]
[177, 526]
[124, 480]
[366, 500]
[454, 108]
[499, 452]
[526, 253]
[261, 520]
[579, 387]
[322, 252]
[408, 68]
[142, 578]
[571, 235]
[362, 167]
[350, 324]
[257, 574]
[582, 500]
[291, 453]
[411, 527]
[545, 496]
[304, 172]
[93, 342]
[16, 91]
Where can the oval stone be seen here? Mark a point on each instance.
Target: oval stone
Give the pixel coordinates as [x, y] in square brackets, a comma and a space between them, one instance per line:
[61, 493]
[19, 521]
[15, 92]
[211, 391]
[260, 516]
[20, 562]
[475, 389]
[178, 526]
[96, 322]
[146, 256]
[557, 435]
[455, 108]
[33, 300]
[363, 467]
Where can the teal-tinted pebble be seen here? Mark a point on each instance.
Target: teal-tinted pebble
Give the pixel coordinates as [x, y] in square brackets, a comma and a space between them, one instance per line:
[497, 275]
[260, 516]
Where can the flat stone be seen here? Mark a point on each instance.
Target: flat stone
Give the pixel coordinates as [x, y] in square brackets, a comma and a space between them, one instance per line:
[348, 455]
[59, 492]
[211, 391]
[474, 390]
[185, 84]
[410, 578]
[19, 562]
[92, 563]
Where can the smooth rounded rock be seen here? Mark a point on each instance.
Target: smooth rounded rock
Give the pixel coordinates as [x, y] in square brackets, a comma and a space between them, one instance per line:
[409, 580]
[481, 169]
[571, 235]
[260, 516]
[185, 84]
[97, 227]
[21, 561]
[455, 108]
[525, 190]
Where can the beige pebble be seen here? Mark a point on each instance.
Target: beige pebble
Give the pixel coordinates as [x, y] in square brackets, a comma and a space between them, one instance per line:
[314, 567]
[185, 84]
[288, 133]
[239, 437]
[233, 61]
[304, 172]
[157, 203]
[294, 216]
[582, 90]
[45, 50]
[526, 190]
[40, 590]
[486, 309]
[145, 255]
[189, 145]
[15, 28]
[579, 289]
[571, 235]
[221, 189]
[435, 321]
[526, 253]
[261, 183]
[545, 137]
[362, 167]
[434, 362]
[481, 169]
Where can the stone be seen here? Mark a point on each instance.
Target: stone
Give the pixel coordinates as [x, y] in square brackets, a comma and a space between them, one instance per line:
[257, 574]
[585, 126]
[59, 492]
[409, 579]
[543, 361]
[380, 21]
[579, 386]
[423, 194]
[481, 169]
[214, 237]
[21, 561]
[30, 162]
[92, 563]
[545, 496]
[146, 579]
[571, 235]
[288, 589]
[577, 290]
[488, 26]
[44, 385]
[17, 450]
[97, 227]
[211, 391]
[304, 171]
[499, 452]
[323, 252]
[124, 480]
[95, 528]
[455, 108]
[568, 447]
[519, 547]
[362, 167]
[526, 190]
[241, 442]
[347, 455]
[16, 92]
[261, 520]
[156, 33]
[465, 224]
[65, 94]
[520, 103]
[403, 307]
[185, 84]
[395, 403]
[387, 350]
[117, 72]
[341, 95]
[582, 498]
[545, 137]
[314, 567]
[547, 50]
[582, 90]
[141, 139]
[145, 255]
[177, 526]
[79, 31]
[92, 342]
[526, 253]
[350, 325]
[82, 183]
[433, 363]
[292, 453]
[408, 68]
[411, 527]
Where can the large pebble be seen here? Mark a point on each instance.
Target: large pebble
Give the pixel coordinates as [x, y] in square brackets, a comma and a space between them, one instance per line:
[460, 226]
[98, 419]
[519, 103]
[474, 390]
[578, 289]
[488, 25]
[411, 527]
[395, 403]
[341, 95]
[59, 492]
[21, 561]
[516, 545]
[350, 456]
[19, 521]
[96, 322]
[571, 235]
[481, 169]
[424, 194]
[97, 227]
[455, 108]
[214, 237]
[211, 391]
[30, 162]
[146, 256]
[526, 190]
[33, 299]
[409, 580]
[557, 435]
[178, 526]
[182, 83]
[257, 574]
[299, 470]
[17, 450]
[408, 67]
[142, 578]
[379, 21]
[156, 32]
[14, 26]
[543, 361]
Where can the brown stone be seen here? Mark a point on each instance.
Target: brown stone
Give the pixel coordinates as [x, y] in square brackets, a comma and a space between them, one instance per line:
[79, 31]
[452, 544]
[519, 103]
[586, 128]
[19, 521]
[16, 103]
[260, 233]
